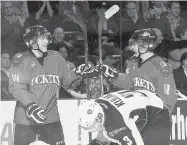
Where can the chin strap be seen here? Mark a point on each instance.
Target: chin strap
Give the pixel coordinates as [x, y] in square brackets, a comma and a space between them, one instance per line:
[40, 59]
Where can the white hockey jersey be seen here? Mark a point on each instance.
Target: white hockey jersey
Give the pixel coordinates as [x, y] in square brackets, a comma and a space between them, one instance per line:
[127, 112]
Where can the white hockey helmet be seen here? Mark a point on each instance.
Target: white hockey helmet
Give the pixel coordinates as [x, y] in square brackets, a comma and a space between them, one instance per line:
[91, 116]
[38, 142]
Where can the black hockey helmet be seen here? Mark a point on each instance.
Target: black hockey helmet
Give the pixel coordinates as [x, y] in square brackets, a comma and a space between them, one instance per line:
[35, 32]
[148, 38]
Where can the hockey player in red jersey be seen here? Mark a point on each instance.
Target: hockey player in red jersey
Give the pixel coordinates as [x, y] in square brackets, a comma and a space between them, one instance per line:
[35, 78]
[147, 70]
[126, 118]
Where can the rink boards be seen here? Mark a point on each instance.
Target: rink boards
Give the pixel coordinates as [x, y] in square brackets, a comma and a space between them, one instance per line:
[76, 136]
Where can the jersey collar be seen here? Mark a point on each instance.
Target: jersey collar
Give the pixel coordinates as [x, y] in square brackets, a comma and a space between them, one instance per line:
[141, 63]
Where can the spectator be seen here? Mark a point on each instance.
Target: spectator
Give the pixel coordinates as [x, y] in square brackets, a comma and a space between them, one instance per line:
[168, 25]
[156, 10]
[177, 48]
[64, 52]
[110, 24]
[58, 39]
[72, 8]
[156, 18]
[5, 65]
[65, 6]
[174, 18]
[82, 9]
[12, 26]
[108, 47]
[180, 75]
[131, 20]
[44, 13]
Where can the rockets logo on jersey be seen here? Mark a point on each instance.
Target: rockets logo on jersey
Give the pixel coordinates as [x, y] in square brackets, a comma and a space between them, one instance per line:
[140, 82]
[46, 79]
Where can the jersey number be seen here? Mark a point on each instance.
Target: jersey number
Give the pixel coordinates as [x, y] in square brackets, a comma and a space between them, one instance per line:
[15, 78]
[127, 140]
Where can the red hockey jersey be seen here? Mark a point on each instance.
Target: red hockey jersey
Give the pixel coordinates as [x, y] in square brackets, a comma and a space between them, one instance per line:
[31, 81]
[154, 75]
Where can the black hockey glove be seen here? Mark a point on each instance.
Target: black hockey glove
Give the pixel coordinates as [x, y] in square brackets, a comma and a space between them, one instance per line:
[96, 142]
[107, 71]
[86, 71]
[35, 113]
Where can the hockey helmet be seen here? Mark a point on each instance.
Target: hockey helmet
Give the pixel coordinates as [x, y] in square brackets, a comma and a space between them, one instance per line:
[91, 116]
[38, 142]
[147, 39]
[35, 32]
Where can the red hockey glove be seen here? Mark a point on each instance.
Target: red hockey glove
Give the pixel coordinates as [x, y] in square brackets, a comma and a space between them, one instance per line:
[107, 71]
[35, 113]
[86, 71]
[96, 142]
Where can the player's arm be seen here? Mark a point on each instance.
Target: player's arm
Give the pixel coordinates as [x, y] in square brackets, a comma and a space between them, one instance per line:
[77, 95]
[18, 86]
[72, 76]
[166, 89]
[18, 83]
[123, 81]
[165, 83]
[120, 80]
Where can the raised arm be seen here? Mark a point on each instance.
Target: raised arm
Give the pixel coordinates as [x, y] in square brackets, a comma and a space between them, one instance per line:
[49, 9]
[40, 12]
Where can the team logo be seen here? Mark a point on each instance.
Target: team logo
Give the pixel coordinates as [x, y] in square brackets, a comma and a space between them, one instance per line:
[140, 82]
[32, 63]
[46, 79]
[165, 68]
[163, 64]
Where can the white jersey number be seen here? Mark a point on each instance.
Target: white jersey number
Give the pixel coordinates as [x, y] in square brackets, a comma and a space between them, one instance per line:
[127, 140]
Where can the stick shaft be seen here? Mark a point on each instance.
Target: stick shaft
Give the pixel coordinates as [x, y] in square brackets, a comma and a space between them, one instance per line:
[100, 26]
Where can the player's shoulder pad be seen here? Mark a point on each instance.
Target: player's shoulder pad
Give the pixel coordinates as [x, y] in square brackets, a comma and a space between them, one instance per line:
[19, 58]
[163, 67]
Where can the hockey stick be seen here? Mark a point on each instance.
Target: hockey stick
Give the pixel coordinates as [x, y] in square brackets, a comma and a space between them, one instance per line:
[100, 26]
[76, 19]
[109, 13]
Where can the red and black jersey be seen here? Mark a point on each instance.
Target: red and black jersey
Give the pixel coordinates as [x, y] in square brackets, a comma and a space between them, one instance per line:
[154, 75]
[31, 81]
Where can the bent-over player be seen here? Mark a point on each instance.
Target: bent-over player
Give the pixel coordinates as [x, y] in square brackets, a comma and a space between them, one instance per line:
[126, 118]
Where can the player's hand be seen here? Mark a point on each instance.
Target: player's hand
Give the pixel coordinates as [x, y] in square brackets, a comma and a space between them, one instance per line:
[35, 113]
[96, 142]
[107, 71]
[86, 71]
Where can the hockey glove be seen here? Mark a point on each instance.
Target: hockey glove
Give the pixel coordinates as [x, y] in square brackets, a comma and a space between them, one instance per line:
[96, 142]
[107, 71]
[35, 113]
[86, 71]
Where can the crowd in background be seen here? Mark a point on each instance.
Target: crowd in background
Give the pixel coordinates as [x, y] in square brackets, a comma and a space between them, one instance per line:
[68, 37]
